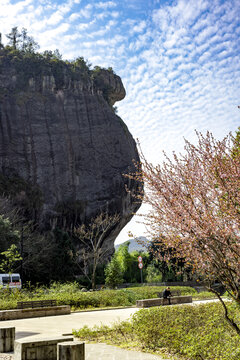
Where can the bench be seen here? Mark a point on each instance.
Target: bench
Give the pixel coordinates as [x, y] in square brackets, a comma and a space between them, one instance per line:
[29, 312]
[185, 299]
[35, 304]
[40, 349]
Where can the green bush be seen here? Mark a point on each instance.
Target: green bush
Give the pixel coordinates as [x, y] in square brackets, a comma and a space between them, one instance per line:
[192, 332]
[71, 294]
[198, 332]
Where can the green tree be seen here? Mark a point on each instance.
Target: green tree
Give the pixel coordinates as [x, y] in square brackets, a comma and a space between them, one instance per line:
[8, 234]
[123, 257]
[52, 55]
[1, 44]
[113, 273]
[171, 267]
[14, 37]
[11, 257]
[82, 64]
[153, 274]
[28, 44]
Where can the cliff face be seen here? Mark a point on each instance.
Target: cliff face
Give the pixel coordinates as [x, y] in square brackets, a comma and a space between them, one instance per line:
[60, 137]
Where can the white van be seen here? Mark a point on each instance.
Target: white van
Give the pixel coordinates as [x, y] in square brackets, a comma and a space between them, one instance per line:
[13, 281]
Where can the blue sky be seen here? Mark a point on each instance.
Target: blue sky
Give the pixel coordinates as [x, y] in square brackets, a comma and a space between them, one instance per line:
[178, 60]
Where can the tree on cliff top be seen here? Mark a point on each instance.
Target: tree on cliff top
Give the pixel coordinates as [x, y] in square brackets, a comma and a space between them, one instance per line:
[92, 237]
[195, 199]
[21, 40]
[14, 37]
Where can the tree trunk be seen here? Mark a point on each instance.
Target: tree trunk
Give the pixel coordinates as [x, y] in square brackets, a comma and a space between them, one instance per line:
[94, 274]
[230, 321]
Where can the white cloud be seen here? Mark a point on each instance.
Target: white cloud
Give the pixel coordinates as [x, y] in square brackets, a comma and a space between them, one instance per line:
[138, 28]
[85, 26]
[179, 60]
[105, 5]
[74, 17]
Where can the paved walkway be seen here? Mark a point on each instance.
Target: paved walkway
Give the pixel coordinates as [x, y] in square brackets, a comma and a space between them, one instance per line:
[105, 352]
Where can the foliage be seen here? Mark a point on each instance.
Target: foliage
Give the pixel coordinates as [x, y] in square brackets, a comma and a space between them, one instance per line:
[204, 295]
[52, 55]
[193, 332]
[81, 64]
[21, 40]
[113, 273]
[155, 268]
[195, 209]
[153, 274]
[8, 234]
[71, 294]
[129, 263]
[123, 257]
[14, 37]
[10, 258]
[47, 257]
[21, 52]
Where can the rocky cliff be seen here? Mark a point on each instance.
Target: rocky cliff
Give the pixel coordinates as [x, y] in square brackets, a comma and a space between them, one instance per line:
[63, 150]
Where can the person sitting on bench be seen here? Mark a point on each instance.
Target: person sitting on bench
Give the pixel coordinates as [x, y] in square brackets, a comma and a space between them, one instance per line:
[167, 294]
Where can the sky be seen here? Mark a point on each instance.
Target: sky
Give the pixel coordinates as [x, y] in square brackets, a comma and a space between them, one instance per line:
[178, 60]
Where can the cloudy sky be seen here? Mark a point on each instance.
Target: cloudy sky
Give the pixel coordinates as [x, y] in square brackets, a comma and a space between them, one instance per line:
[179, 60]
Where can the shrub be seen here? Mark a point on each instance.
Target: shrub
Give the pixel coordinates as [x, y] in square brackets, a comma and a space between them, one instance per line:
[197, 332]
[192, 332]
[70, 294]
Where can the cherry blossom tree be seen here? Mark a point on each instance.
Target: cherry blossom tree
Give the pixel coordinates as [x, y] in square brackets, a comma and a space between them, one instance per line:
[195, 201]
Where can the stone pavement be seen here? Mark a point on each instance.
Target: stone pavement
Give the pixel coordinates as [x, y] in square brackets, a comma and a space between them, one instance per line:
[108, 352]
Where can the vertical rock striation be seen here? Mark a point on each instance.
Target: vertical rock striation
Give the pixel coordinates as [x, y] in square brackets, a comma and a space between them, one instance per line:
[61, 138]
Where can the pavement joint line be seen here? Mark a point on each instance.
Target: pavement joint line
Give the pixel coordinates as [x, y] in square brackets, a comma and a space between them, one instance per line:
[103, 309]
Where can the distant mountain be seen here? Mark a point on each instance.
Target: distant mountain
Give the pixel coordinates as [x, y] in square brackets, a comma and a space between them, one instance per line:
[138, 244]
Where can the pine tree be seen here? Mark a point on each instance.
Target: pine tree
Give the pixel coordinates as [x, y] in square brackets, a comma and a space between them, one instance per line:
[1, 44]
[14, 37]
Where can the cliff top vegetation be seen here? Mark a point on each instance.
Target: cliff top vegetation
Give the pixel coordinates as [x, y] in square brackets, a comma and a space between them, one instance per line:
[22, 53]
